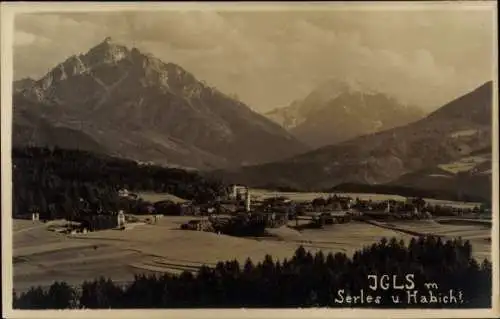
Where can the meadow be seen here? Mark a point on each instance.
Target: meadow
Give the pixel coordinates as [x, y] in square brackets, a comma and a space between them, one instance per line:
[157, 197]
[304, 196]
[42, 256]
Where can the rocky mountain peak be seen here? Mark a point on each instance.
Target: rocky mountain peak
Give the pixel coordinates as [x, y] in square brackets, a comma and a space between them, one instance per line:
[141, 107]
[107, 52]
[338, 110]
[333, 88]
[109, 63]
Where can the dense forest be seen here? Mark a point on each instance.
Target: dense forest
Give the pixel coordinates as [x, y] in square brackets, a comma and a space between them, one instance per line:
[59, 183]
[305, 280]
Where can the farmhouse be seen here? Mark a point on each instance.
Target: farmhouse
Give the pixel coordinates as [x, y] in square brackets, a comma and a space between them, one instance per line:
[270, 219]
[145, 208]
[199, 225]
[188, 209]
[124, 193]
[342, 202]
[329, 218]
[35, 216]
[167, 207]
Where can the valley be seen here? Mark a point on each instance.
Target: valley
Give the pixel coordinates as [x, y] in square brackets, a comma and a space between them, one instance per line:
[41, 256]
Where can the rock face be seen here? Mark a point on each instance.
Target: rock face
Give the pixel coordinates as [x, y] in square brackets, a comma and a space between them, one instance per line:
[338, 111]
[139, 107]
[31, 129]
[23, 84]
[454, 131]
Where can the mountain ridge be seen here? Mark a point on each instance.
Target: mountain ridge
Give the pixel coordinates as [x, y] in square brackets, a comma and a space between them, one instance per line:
[145, 109]
[336, 111]
[382, 157]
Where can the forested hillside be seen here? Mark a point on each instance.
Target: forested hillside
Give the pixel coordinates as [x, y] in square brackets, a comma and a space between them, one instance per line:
[58, 183]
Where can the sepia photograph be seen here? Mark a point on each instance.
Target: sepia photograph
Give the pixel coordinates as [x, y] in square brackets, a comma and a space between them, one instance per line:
[320, 157]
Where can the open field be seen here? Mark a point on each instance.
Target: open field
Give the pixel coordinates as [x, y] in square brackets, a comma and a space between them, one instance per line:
[302, 196]
[464, 164]
[442, 202]
[41, 256]
[479, 234]
[156, 197]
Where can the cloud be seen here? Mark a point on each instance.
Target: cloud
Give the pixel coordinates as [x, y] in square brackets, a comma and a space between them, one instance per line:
[23, 38]
[272, 58]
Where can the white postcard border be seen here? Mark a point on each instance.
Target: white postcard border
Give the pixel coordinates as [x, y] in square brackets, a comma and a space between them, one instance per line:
[8, 11]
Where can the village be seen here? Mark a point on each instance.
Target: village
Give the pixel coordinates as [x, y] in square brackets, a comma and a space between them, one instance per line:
[242, 214]
[162, 233]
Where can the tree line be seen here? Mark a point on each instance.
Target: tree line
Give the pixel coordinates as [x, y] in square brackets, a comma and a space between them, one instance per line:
[304, 280]
[59, 183]
[407, 192]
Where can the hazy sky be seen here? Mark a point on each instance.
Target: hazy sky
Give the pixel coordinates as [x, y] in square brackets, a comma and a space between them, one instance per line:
[270, 59]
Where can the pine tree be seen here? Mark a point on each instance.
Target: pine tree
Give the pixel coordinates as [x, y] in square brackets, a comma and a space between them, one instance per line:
[61, 296]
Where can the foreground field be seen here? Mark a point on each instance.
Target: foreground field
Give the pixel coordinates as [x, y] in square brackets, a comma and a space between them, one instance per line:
[41, 256]
[478, 234]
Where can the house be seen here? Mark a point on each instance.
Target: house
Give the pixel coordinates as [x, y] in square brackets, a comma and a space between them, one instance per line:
[336, 217]
[123, 192]
[145, 208]
[133, 196]
[167, 207]
[189, 209]
[34, 216]
[199, 225]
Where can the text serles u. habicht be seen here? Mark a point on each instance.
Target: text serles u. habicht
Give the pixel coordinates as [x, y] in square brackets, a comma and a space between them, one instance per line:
[409, 297]
[404, 292]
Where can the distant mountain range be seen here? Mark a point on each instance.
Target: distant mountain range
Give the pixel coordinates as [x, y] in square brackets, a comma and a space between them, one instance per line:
[130, 104]
[125, 103]
[338, 111]
[408, 155]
